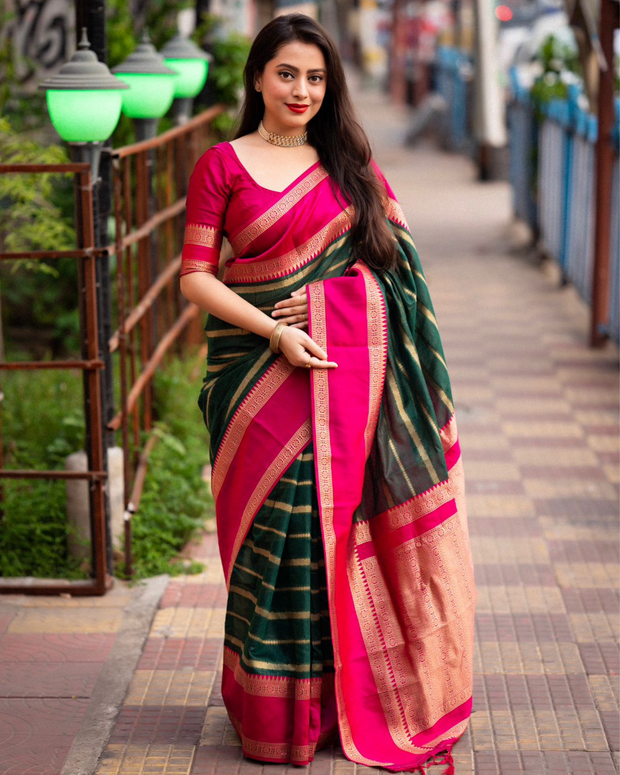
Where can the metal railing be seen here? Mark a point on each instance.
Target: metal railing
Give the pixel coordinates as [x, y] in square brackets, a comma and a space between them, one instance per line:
[523, 153]
[454, 74]
[553, 177]
[579, 227]
[562, 215]
[150, 182]
[150, 186]
[91, 364]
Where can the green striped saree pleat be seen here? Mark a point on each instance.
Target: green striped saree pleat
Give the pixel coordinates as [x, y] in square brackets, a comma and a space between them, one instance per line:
[277, 620]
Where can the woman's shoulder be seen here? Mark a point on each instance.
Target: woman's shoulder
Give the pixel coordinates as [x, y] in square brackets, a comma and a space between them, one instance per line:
[377, 170]
[216, 153]
[216, 162]
[382, 179]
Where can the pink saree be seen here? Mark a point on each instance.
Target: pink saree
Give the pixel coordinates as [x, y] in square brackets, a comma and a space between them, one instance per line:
[386, 478]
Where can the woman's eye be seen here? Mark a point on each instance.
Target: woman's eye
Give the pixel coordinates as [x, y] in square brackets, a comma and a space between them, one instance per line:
[316, 78]
[285, 73]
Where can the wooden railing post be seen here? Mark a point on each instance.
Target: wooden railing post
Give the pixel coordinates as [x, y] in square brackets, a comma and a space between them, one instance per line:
[604, 174]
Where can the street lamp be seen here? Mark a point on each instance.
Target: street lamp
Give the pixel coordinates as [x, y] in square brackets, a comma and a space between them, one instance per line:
[192, 66]
[84, 103]
[151, 87]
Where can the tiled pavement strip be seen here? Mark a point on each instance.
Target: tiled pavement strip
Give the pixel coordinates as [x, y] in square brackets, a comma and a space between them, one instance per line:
[538, 418]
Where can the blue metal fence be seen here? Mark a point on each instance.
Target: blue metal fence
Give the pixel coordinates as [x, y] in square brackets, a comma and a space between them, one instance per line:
[523, 152]
[453, 83]
[563, 212]
[579, 230]
[554, 162]
[552, 171]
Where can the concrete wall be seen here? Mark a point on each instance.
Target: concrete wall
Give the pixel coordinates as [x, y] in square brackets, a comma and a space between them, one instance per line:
[41, 34]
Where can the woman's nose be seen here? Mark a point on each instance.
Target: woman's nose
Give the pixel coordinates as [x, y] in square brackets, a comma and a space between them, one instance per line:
[299, 88]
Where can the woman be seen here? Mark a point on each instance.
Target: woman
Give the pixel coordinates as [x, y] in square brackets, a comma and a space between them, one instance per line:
[337, 475]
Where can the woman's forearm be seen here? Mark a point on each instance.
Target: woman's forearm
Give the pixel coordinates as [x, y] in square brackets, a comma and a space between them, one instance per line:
[211, 295]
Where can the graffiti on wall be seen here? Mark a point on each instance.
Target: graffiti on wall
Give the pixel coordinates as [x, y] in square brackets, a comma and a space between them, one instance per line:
[41, 36]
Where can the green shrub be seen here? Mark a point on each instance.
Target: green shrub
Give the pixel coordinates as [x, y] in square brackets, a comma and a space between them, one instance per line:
[176, 500]
[225, 83]
[560, 63]
[43, 423]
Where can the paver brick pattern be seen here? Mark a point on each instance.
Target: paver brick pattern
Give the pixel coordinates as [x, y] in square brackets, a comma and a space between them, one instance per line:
[52, 650]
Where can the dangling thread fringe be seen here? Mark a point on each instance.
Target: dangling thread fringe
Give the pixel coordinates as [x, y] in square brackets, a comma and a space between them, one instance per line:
[447, 759]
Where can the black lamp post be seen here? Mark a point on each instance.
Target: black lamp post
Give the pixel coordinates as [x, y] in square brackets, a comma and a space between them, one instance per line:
[84, 101]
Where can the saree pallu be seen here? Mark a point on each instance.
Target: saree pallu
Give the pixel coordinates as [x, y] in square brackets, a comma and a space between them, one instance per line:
[341, 516]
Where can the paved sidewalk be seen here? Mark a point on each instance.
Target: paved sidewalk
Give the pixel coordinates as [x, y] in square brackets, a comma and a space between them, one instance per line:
[65, 664]
[538, 418]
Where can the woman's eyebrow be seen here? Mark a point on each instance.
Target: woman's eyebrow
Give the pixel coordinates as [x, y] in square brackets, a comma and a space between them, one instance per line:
[296, 69]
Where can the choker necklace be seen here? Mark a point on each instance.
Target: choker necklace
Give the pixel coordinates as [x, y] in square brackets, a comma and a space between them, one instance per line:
[284, 141]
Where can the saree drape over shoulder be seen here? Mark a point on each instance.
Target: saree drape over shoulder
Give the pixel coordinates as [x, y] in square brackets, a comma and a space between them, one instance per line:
[339, 493]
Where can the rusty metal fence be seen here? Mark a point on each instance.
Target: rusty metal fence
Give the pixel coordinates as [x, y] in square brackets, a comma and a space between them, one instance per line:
[150, 181]
[91, 363]
[150, 186]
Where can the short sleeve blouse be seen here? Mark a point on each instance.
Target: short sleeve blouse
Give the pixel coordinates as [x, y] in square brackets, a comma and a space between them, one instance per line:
[223, 199]
[207, 200]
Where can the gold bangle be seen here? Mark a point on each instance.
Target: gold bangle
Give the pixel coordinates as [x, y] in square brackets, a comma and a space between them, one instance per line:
[274, 339]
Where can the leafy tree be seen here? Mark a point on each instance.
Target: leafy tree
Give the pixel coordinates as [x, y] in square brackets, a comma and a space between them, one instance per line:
[37, 215]
[25, 109]
[29, 199]
[560, 65]
[225, 84]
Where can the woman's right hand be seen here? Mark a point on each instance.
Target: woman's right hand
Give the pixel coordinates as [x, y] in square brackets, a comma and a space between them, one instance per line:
[299, 350]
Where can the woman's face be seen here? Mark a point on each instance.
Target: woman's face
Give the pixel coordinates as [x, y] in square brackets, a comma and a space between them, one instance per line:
[293, 86]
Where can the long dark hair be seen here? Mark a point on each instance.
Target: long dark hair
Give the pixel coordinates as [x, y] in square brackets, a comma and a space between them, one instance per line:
[340, 141]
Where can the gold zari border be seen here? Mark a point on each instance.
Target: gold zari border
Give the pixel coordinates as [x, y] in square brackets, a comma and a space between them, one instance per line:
[275, 686]
[194, 265]
[284, 752]
[419, 506]
[254, 271]
[449, 433]
[264, 389]
[280, 208]
[203, 236]
[395, 212]
[289, 452]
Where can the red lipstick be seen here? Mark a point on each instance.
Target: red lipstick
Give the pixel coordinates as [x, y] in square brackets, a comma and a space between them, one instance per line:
[297, 108]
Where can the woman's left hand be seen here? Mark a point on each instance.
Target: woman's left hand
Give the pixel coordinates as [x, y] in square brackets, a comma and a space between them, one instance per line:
[293, 311]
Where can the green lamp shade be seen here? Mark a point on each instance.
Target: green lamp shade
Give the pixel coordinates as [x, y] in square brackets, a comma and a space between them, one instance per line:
[148, 96]
[192, 74]
[84, 115]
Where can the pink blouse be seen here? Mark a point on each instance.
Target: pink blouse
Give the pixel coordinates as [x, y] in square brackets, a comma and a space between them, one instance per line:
[223, 200]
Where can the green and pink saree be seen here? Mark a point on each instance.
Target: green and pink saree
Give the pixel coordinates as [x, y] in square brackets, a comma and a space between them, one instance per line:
[339, 493]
